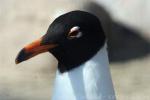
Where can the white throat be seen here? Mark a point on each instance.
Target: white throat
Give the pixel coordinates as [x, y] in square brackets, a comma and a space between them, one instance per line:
[89, 81]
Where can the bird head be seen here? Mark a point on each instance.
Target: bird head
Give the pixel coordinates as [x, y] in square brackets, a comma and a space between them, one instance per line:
[72, 38]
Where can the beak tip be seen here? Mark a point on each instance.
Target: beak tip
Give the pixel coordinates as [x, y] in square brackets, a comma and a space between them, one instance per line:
[21, 56]
[17, 62]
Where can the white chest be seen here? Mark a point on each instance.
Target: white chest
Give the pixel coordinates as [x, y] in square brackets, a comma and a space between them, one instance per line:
[89, 81]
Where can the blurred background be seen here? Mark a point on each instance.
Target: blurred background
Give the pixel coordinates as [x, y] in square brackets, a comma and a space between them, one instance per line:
[126, 23]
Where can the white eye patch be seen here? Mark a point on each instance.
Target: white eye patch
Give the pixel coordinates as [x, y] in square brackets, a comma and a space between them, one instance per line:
[75, 32]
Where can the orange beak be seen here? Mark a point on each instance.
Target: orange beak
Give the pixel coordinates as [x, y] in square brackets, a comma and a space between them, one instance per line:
[32, 50]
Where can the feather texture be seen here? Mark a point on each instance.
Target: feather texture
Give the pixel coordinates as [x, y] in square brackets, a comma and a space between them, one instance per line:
[89, 81]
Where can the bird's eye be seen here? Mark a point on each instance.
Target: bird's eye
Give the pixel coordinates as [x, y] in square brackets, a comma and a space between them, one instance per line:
[74, 32]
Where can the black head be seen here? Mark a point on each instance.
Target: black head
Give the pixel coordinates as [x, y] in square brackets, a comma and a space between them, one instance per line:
[76, 37]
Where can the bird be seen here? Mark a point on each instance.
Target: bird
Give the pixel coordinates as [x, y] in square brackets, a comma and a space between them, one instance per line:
[77, 40]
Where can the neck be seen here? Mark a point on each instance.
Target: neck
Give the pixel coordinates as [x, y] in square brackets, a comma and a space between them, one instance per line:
[91, 80]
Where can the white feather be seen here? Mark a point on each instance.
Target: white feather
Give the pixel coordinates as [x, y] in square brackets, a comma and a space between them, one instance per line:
[89, 81]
